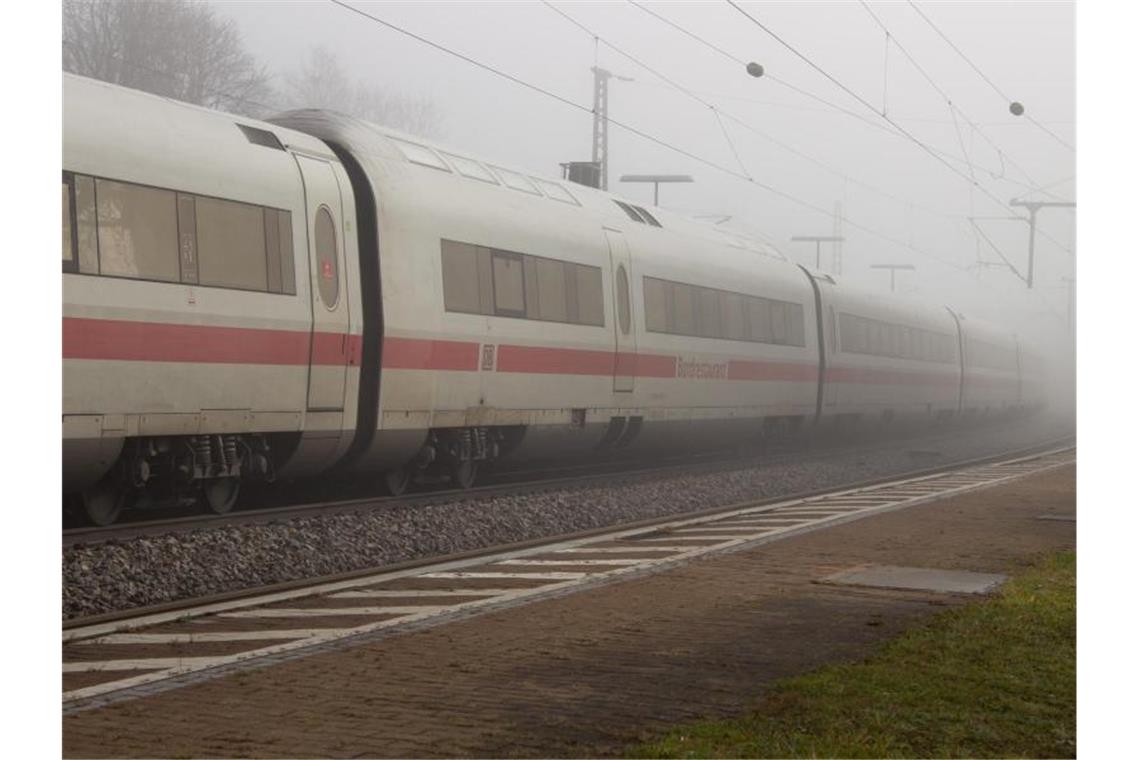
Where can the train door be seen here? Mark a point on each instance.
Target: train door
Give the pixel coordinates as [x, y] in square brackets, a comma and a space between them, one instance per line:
[329, 340]
[625, 341]
[831, 343]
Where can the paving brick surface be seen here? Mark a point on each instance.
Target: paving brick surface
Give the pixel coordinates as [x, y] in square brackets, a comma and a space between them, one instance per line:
[586, 673]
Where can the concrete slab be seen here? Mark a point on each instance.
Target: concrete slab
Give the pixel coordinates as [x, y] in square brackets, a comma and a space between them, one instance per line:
[919, 579]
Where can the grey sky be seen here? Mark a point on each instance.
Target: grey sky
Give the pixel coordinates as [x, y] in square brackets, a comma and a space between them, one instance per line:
[1026, 48]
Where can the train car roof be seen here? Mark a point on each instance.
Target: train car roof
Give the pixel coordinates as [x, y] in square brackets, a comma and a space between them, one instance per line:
[370, 139]
[124, 134]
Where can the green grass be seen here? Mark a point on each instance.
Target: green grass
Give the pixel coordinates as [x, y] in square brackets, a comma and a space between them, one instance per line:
[992, 679]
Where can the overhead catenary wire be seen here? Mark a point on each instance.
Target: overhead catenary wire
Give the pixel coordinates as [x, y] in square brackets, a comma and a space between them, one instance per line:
[954, 110]
[656, 140]
[719, 112]
[862, 100]
[985, 78]
[890, 128]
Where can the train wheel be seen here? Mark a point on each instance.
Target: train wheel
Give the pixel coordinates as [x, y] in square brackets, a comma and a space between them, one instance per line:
[221, 494]
[398, 480]
[463, 474]
[102, 503]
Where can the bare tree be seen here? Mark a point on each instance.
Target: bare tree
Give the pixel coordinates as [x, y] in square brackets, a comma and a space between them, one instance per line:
[321, 82]
[176, 48]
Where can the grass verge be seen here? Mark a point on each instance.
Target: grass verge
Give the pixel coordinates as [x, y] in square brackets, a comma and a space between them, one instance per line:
[992, 679]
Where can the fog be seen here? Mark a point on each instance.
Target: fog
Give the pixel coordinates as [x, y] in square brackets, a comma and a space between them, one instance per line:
[900, 203]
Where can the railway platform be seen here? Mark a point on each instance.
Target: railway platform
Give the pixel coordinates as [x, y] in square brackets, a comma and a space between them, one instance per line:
[588, 672]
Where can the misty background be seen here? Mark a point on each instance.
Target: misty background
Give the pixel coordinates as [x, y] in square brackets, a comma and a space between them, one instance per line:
[886, 123]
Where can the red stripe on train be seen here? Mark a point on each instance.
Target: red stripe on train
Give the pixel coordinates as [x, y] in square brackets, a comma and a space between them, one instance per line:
[413, 353]
[126, 340]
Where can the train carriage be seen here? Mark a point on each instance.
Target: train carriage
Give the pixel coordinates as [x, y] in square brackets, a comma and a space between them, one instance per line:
[549, 318]
[316, 295]
[888, 358]
[211, 300]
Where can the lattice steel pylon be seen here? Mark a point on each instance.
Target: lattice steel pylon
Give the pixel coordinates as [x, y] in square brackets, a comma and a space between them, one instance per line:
[601, 121]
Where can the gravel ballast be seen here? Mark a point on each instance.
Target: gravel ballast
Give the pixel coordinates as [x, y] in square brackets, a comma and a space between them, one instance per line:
[122, 575]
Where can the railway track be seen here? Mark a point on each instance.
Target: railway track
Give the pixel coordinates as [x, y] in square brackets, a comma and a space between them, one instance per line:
[119, 656]
[506, 482]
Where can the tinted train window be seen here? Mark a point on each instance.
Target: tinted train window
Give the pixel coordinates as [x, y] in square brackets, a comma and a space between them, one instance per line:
[138, 231]
[759, 320]
[327, 271]
[682, 309]
[709, 309]
[656, 305]
[68, 229]
[551, 284]
[122, 229]
[460, 277]
[507, 272]
[590, 308]
[860, 335]
[86, 234]
[231, 245]
[479, 280]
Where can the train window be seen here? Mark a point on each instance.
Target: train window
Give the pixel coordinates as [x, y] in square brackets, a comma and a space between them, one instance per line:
[460, 277]
[187, 238]
[656, 307]
[477, 280]
[69, 264]
[570, 280]
[708, 306]
[471, 168]
[516, 181]
[590, 308]
[684, 309]
[779, 322]
[530, 286]
[551, 290]
[628, 209]
[288, 266]
[647, 217]
[272, 250]
[622, 284]
[231, 244]
[328, 282]
[555, 191]
[732, 316]
[420, 154]
[507, 274]
[759, 320]
[86, 232]
[137, 231]
[795, 316]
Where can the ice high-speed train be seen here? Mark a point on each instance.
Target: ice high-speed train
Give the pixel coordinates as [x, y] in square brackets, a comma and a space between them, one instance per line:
[318, 295]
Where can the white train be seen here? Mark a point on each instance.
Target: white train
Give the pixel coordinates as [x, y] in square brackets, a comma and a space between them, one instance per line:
[251, 300]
